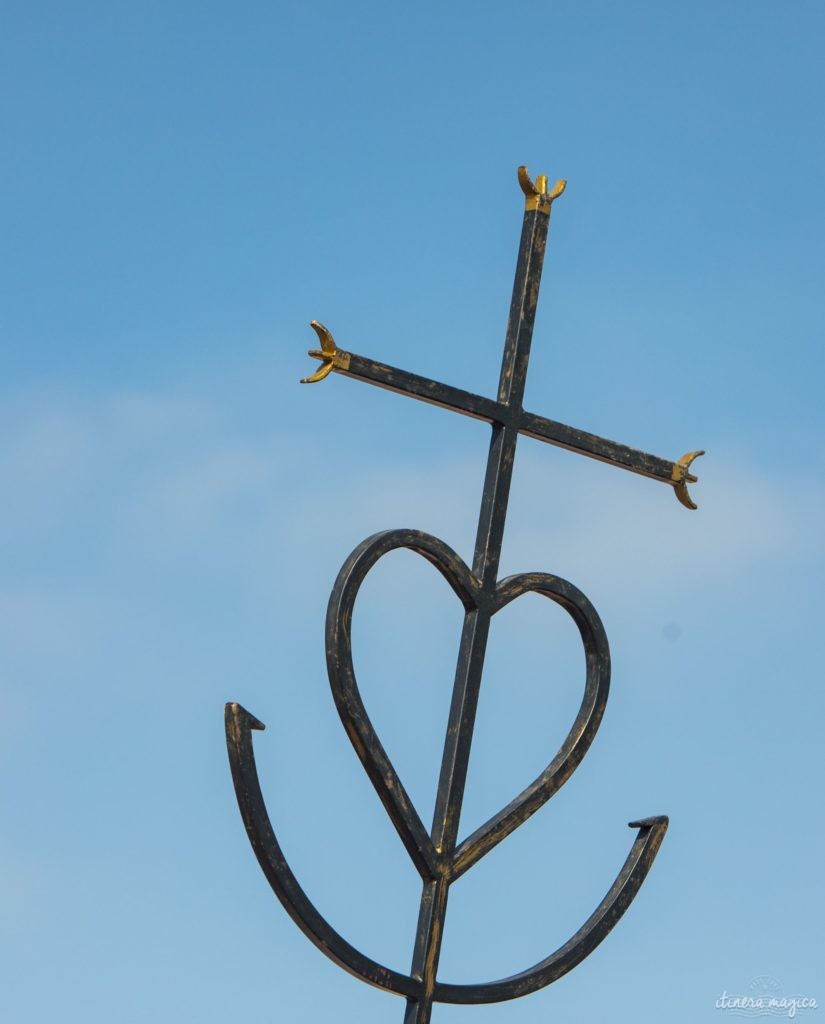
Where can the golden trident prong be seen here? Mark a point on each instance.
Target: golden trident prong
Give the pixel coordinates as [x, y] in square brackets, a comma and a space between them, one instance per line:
[682, 477]
[537, 196]
[330, 355]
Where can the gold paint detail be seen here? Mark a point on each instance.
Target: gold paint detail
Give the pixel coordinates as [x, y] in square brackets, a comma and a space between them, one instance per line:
[681, 477]
[332, 357]
[536, 195]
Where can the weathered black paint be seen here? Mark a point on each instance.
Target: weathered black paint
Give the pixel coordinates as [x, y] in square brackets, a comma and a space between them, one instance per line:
[437, 855]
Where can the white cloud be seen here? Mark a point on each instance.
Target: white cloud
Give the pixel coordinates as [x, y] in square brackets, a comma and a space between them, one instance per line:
[39, 463]
[55, 623]
[200, 493]
[164, 473]
[623, 526]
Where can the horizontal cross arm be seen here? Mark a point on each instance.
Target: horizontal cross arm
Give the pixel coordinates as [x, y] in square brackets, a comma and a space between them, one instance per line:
[677, 474]
[424, 389]
[348, 364]
[390, 377]
[597, 447]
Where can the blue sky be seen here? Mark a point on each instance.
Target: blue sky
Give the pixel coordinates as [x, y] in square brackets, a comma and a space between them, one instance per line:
[186, 186]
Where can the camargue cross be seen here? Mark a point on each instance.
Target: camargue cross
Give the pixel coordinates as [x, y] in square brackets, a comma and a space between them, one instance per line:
[437, 854]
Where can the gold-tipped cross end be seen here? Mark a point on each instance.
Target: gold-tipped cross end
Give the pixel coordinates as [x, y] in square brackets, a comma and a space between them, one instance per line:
[536, 195]
[330, 355]
[682, 477]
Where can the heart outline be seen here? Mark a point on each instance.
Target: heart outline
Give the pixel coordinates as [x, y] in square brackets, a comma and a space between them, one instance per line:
[468, 588]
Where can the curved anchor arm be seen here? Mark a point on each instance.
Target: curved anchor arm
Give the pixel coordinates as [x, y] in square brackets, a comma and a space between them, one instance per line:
[603, 919]
[239, 726]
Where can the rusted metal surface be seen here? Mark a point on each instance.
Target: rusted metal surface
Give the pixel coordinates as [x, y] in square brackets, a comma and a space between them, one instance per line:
[438, 856]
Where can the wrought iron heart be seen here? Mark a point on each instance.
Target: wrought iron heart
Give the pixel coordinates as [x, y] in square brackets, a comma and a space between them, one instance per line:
[430, 860]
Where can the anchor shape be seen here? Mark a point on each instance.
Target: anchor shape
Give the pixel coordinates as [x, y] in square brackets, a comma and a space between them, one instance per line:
[436, 854]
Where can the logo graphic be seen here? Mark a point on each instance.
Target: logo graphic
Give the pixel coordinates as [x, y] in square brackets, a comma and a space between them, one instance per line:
[764, 998]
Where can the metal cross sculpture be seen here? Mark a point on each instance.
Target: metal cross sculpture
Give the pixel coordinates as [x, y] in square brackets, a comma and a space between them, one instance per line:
[437, 855]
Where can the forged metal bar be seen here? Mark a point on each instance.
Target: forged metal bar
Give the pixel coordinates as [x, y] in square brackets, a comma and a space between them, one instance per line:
[239, 726]
[509, 414]
[527, 423]
[495, 496]
[404, 383]
[437, 855]
[600, 448]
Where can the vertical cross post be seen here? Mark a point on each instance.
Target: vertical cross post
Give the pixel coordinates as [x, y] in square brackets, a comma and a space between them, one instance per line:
[489, 536]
